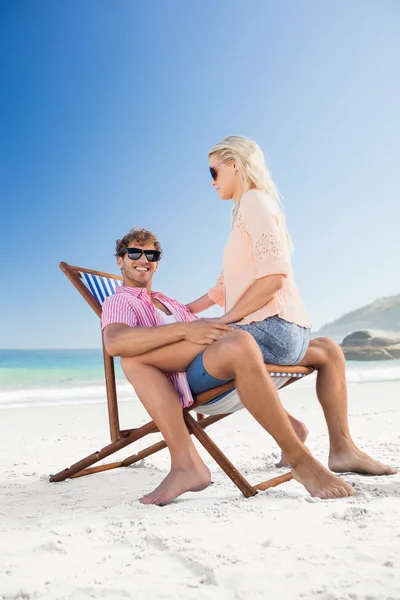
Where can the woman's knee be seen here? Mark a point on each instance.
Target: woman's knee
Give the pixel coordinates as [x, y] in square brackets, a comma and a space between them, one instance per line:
[330, 350]
[241, 345]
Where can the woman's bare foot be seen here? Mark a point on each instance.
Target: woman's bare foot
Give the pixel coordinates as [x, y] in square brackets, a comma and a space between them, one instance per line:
[319, 481]
[302, 433]
[178, 481]
[355, 461]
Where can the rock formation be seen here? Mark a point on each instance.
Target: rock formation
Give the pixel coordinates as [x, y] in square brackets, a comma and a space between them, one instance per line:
[371, 345]
[381, 315]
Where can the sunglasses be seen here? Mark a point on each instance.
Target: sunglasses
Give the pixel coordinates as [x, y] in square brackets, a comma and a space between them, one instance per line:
[136, 253]
[213, 170]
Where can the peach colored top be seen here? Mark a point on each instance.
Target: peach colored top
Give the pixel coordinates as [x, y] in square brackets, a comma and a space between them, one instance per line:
[257, 246]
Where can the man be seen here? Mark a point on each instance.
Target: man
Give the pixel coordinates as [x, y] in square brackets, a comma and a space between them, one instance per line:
[158, 339]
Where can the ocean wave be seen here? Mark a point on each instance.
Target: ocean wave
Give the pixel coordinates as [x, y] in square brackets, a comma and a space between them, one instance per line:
[88, 393]
[92, 392]
[362, 372]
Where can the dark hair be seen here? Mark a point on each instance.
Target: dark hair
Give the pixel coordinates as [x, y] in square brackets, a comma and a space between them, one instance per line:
[138, 236]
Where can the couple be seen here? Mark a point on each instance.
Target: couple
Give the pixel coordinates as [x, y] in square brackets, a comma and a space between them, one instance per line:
[168, 354]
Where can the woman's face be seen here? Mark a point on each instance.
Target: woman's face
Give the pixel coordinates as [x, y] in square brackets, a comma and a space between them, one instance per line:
[224, 177]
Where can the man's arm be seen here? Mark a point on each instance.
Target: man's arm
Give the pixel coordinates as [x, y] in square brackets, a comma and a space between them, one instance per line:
[122, 340]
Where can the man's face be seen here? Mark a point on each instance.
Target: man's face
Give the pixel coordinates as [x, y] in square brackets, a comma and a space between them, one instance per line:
[137, 273]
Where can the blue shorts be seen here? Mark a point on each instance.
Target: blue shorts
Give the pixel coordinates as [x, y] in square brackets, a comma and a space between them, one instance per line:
[281, 343]
[200, 380]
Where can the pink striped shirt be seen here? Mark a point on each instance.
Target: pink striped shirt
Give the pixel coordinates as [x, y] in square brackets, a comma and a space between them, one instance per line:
[133, 307]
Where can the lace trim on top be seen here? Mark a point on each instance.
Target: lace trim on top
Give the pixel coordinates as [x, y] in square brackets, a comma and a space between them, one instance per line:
[268, 243]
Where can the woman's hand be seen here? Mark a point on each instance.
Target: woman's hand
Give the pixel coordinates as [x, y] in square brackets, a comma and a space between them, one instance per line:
[220, 320]
[257, 295]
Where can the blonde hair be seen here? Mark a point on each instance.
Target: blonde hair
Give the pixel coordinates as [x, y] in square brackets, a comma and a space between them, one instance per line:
[250, 160]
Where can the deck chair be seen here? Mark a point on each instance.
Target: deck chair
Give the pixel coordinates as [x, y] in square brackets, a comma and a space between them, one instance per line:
[95, 286]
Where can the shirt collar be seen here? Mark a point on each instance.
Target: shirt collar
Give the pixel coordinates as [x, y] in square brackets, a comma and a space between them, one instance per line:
[137, 292]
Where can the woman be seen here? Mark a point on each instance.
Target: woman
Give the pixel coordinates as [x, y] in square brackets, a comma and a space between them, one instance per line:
[256, 287]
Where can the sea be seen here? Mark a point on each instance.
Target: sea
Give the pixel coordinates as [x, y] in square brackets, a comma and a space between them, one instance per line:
[59, 377]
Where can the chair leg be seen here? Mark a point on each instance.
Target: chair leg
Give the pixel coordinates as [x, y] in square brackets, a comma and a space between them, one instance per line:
[219, 457]
[130, 460]
[83, 467]
[270, 483]
[113, 416]
[121, 442]
[126, 462]
[127, 436]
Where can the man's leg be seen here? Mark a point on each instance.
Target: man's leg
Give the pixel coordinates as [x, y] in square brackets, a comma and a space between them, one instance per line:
[238, 356]
[158, 396]
[344, 456]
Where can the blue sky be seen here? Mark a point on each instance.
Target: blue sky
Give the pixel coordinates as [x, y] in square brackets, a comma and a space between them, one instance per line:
[108, 110]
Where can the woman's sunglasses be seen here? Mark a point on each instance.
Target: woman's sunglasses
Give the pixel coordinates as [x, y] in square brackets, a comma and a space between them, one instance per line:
[213, 170]
[136, 253]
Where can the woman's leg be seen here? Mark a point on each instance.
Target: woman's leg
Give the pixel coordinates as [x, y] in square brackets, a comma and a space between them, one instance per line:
[328, 359]
[238, 356]
[275, 335]
[158, 396]
[300, 430]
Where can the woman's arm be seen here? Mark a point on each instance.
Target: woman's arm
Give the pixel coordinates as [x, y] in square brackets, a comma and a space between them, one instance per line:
[257, 295]
[216, 295]
[271, 255]
[200, 304]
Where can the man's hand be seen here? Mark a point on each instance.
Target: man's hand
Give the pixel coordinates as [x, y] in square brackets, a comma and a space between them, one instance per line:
[206, 331]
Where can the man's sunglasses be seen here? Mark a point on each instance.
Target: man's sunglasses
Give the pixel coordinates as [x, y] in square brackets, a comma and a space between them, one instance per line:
[213, 170]
[136, 253]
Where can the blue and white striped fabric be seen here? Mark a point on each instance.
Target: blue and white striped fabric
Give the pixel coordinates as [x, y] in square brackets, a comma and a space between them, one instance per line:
[231, 403]
[100, 287]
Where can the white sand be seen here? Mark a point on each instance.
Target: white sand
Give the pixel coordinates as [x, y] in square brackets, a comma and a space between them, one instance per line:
[90, 537]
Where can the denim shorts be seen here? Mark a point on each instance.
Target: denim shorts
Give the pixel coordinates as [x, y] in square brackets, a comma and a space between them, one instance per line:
[281, 342]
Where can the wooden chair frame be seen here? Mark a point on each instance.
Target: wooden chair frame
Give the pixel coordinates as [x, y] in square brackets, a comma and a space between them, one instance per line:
[120, 438]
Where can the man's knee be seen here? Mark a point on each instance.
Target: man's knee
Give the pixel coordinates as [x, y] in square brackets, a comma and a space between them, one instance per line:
[129, 362]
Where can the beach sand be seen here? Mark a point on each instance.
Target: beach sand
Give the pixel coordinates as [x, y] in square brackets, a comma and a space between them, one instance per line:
[91, 538]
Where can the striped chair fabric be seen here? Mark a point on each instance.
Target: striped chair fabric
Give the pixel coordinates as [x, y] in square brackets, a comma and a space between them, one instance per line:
[229, 402]
[100, 287]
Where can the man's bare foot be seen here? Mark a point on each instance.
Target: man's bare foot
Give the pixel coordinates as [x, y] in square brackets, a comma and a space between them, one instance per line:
[302, 433]
[177, 482]
[355, 461]
[320, 482]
